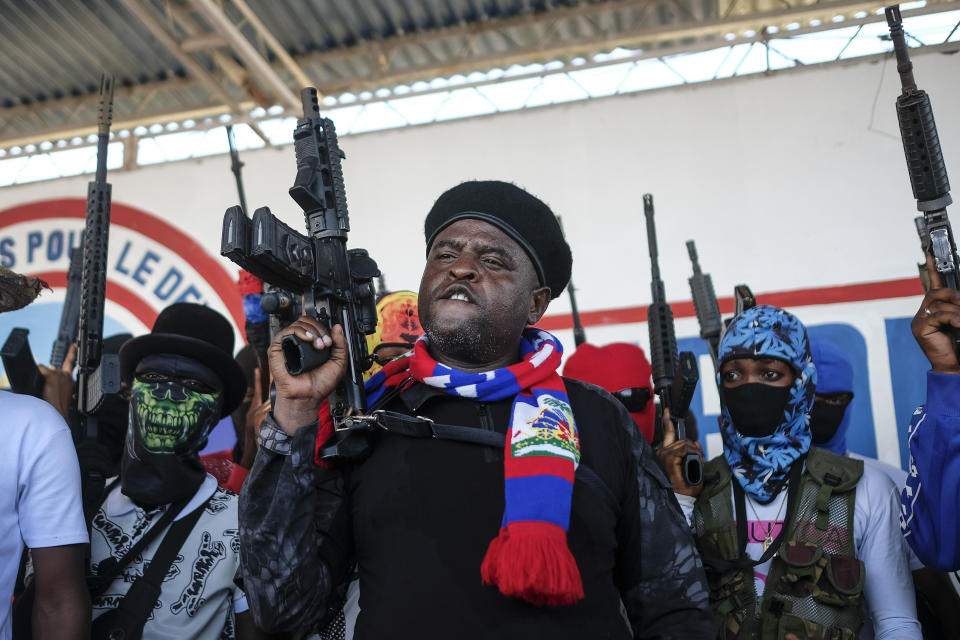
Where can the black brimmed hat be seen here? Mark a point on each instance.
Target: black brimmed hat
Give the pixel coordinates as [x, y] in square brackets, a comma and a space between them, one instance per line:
[522, 216]
[193, 331]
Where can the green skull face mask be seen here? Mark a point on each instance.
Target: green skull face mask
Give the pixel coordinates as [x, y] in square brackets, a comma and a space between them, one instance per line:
[169, 418]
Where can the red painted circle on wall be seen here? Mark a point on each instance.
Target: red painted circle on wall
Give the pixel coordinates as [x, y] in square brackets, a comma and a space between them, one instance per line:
[215, 273]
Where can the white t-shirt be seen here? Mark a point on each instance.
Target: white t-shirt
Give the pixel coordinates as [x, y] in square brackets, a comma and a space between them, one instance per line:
[40, 503]
[198, 599]
[897, 475]
[888, 588]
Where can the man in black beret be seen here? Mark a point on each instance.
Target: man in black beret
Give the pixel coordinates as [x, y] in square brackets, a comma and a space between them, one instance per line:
[546, 517]
[164, 509]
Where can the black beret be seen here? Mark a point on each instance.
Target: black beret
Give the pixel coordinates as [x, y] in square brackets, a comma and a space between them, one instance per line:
[517, 213]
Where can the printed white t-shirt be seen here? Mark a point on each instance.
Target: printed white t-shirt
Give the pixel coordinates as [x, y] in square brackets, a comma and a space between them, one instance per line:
[40, 504]
[888, 588]
[199, 598]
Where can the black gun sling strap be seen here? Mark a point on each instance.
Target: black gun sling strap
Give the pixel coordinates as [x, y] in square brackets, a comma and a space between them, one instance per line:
[126, 621]
[109, 568]
[419, 427]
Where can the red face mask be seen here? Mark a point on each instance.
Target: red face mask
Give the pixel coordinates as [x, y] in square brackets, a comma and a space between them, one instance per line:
[622, 369]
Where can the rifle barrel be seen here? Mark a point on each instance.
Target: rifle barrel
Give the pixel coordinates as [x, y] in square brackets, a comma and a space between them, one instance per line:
[236, 166]
[651, 238]
[904, 66]
[105, 118]
[694, 258]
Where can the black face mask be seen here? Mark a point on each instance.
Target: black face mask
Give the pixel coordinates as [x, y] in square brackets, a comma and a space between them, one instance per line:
[756, 409]
[825, 419]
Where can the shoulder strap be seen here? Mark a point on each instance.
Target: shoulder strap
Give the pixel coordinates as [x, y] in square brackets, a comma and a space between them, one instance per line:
[834, 475]
[840, 472]
[390, 394]
[419, 427]
[110, 568]
[739, 498]
[135, 607]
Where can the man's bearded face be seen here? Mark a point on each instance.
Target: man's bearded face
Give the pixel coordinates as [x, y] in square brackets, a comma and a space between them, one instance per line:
[477, 293]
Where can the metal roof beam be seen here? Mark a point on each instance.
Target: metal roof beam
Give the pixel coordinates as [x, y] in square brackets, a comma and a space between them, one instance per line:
[255, 63]
[202, 42]
[640, 38]
[278, 49]
[946, 47]
[211, 110]
[20, 126]
[76, 103]
[193, 67]
[198, 39]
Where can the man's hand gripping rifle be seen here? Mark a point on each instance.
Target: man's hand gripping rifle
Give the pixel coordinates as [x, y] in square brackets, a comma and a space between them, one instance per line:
[928, 174]
[337, 284]
[675, 375]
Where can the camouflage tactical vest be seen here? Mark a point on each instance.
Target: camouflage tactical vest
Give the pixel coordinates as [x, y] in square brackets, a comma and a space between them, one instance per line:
[815, 581]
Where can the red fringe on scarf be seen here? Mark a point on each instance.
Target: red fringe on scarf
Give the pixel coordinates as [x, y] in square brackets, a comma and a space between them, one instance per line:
[531, 560]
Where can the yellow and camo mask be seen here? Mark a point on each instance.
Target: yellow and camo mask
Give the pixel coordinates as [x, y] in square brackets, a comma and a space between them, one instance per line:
[398, 323]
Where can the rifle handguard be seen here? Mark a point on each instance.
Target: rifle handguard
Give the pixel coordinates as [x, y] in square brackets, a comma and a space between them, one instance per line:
[299, 356]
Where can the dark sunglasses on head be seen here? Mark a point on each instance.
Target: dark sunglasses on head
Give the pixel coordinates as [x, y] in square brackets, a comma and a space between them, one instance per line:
[633, 398]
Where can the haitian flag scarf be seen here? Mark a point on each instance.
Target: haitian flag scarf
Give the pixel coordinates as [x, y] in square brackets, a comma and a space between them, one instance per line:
[529, 558]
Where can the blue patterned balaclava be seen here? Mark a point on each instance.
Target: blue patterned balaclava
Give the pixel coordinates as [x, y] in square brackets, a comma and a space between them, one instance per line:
[761, 465]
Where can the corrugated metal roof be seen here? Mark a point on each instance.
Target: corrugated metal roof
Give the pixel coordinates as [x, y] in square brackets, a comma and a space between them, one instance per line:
[179, 58]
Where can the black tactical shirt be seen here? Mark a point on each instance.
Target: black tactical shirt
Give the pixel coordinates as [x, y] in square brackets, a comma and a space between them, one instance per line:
[417, 517]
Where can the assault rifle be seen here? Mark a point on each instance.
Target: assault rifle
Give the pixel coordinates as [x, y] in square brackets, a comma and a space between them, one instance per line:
[98, 374]
[705, 304]
[70, 315]
[675, 376]
[336, 283]
[925, 166]
[579, 336]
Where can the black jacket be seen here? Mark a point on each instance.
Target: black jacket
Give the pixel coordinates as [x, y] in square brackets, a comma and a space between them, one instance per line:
[417, 517]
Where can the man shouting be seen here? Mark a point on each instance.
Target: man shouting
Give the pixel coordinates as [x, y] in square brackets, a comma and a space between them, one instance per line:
[547, 517]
